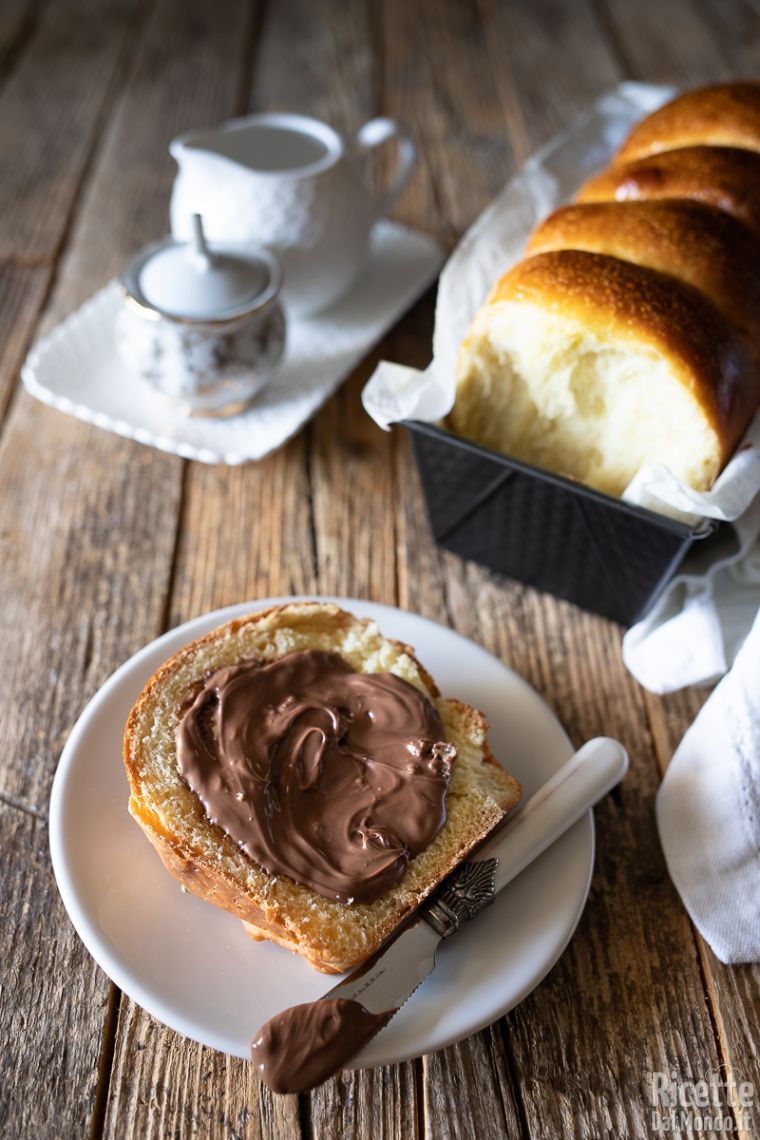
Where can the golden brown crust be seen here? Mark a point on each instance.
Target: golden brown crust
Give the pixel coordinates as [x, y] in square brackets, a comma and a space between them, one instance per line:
[210, 865]
[699, 245]
[621, 302]
[726, 114]
[718, 176]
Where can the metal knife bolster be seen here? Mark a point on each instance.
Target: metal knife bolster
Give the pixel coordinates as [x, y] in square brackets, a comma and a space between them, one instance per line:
[467, 892]
[389, 979]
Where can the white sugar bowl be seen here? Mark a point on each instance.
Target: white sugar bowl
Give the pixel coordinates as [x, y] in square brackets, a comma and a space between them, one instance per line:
[202, 325]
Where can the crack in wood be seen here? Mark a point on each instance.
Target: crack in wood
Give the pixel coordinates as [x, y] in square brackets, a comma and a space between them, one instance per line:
[105, 1061]
[17, 39]
[20, 805]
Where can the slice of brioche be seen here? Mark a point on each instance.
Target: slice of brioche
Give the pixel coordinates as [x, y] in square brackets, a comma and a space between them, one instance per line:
[590, 366]
[332, 936]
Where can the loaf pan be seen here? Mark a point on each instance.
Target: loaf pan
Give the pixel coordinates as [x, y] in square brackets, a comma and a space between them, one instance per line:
[559, 536]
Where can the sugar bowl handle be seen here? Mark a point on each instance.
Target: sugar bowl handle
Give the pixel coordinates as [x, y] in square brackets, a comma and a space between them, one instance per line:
[373, 134]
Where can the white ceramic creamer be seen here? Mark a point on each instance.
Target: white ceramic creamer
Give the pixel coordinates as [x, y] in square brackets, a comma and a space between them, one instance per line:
[293, 185]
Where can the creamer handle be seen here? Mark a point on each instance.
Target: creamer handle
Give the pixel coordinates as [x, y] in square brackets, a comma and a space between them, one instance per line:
[374, 134]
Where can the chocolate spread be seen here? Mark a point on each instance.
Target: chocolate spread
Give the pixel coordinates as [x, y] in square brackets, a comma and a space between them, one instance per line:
[306, 1044]
[332, 777]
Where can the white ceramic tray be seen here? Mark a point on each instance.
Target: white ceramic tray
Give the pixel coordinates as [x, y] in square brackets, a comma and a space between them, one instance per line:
[76, 368]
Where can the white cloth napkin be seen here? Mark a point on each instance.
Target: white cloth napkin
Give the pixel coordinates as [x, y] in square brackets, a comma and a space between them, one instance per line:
[708, 812]
[693, 633]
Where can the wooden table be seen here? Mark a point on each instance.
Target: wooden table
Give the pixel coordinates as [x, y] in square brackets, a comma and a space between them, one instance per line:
[106, 544]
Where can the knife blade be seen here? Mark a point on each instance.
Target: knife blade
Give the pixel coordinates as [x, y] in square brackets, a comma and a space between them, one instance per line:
[398, 969]
[377, 989]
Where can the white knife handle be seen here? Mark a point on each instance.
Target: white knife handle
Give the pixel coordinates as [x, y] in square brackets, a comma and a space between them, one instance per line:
[556, 806]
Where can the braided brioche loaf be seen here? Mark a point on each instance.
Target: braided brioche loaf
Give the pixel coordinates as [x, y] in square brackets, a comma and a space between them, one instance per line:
[631, 331]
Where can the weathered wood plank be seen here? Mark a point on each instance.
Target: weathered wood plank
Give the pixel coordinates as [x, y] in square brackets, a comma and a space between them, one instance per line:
[246, 533]
[675, 44]
[50, 110]
[22, 293]
[435, 80]
[95, 516]
[734, 30]
[53, 997]
[330, 61]
[532, 50]
[627, 997]
[420, 579]
[373, 1103]
[352, 486]
[91, 519]
[468, 1090]
[349, 459]
[16, 23]
[186, 73]
[90, 525]
[164, 1085]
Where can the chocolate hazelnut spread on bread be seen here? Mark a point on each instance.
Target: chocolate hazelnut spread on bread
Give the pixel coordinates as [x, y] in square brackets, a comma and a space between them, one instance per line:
[332, 777]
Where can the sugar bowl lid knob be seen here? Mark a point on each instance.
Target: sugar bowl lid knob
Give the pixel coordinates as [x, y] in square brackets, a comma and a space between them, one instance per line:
[190, 280]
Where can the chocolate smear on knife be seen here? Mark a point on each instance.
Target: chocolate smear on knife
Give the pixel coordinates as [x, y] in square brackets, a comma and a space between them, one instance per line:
[304, 1045]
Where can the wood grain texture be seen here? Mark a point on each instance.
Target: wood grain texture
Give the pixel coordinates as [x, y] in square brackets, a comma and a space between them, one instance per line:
[185, 71]
[17, 20]
[246, 533]
[468, 1090]
[164, 1085]
[373, 1103]
[549, 61]
[674, 45]
[445, 106]
[90, 524]
[50, 109]
[22, 293]
[53, 998]
[104, 543]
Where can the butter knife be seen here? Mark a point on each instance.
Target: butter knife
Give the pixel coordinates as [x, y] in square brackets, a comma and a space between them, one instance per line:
[382, 985]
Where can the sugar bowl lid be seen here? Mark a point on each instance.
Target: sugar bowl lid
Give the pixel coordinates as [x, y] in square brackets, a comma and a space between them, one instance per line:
[190, 281]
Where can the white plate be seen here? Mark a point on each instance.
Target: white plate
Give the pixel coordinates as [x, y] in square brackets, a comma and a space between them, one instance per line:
[77, 370]
[191, 965]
